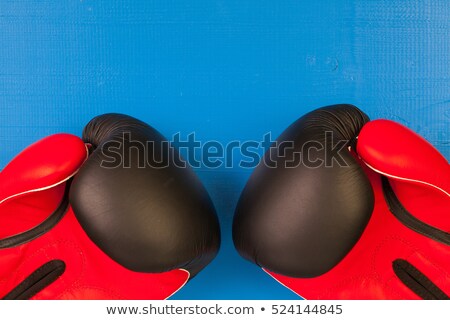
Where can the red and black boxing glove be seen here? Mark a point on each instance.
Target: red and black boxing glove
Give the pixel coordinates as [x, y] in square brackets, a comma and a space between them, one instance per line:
[364, 212]
[123, 228]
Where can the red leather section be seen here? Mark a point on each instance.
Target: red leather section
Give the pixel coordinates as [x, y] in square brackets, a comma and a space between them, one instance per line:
[89, 274]
[419, 174]
[427, 204]
[366, 272]
[394, 150]
[43, 164]
[29, 210]
[34, 185]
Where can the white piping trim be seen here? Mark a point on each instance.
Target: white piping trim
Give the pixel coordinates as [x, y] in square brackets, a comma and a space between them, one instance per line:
[283, 284]
[406, 179]
[47, 187]
[187, 279]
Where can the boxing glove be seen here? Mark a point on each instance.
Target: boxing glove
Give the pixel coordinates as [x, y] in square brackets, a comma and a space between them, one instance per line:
[363, 213]
[128, 231]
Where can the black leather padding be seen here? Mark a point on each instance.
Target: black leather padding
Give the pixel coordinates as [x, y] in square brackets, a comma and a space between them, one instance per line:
[301, 221]
[149, 216]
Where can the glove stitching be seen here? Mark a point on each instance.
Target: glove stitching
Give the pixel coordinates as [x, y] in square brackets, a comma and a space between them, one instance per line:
[19, 274]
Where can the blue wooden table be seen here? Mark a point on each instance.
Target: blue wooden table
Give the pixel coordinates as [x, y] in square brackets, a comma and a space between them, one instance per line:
[226, 70]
